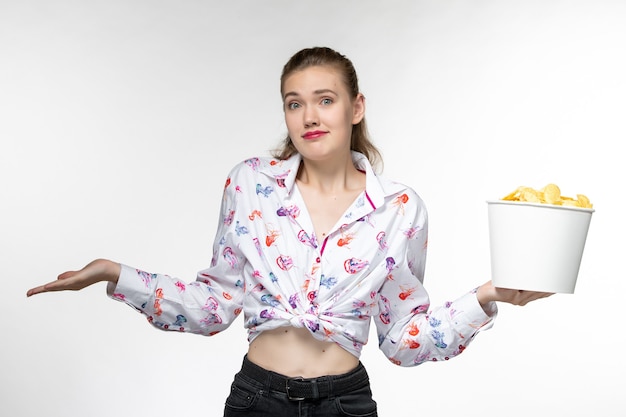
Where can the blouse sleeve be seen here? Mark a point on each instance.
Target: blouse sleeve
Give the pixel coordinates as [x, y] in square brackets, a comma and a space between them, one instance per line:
[205, 306]
[410, 332]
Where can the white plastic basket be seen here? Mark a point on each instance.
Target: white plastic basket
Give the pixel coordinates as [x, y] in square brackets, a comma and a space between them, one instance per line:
[536, 247]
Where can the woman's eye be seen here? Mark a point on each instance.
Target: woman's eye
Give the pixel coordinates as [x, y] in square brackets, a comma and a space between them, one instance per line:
[293, 106]
[327, 101]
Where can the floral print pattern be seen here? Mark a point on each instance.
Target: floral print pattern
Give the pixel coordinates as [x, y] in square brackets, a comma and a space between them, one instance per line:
[268, 264]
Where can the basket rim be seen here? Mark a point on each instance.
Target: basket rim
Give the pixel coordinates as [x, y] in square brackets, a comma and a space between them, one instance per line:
[542, 205]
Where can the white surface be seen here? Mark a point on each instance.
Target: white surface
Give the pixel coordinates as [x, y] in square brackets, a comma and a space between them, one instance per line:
[119, 121]
[536, 247]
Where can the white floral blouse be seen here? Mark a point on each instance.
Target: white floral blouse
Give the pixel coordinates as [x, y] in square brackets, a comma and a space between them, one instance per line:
[268, 263]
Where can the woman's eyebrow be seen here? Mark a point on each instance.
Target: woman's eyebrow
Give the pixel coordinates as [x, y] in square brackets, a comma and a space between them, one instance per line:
[324, 91]
[290, 94]
[316, 92]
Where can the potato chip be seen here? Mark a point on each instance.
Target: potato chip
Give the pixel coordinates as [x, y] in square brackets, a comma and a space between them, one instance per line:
[513, 196]
[530, 195]
[583, 200]
[550, 194]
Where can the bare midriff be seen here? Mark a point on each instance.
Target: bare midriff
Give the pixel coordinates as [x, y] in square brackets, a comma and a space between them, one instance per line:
[294, 352]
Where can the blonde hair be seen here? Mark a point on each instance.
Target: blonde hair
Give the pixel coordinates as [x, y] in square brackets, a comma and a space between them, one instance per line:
[323, 56]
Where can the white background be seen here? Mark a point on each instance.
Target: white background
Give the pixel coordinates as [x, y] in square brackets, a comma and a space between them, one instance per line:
[120, 119]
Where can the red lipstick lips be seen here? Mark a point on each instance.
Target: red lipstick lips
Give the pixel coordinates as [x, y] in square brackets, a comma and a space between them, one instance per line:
[313, 134]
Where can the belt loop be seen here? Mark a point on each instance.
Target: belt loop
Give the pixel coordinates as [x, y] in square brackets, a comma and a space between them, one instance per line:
[314, 389]
[268, 383]
[331, 390]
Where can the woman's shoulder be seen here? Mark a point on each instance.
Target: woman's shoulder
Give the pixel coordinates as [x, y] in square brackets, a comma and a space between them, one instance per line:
[396, 189]
[262, 171]
[255, 164]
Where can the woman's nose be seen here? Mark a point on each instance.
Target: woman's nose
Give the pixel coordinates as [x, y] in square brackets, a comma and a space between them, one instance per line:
[311, 118]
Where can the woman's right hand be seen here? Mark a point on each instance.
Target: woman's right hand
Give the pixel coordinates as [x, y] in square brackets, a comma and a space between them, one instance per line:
[95, 271]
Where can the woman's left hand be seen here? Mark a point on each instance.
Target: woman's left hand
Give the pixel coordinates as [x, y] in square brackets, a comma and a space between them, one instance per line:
[487, 293]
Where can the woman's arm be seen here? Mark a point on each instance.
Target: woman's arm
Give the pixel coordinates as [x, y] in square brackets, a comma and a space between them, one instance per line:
[96, 271]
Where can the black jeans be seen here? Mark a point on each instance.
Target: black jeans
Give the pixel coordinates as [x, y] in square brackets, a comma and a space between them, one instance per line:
[256, 392]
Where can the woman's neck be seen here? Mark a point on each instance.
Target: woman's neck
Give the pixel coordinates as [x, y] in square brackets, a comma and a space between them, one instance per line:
[329, 178]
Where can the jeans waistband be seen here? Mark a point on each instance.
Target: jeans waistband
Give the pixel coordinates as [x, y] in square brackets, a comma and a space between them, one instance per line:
[298, 389]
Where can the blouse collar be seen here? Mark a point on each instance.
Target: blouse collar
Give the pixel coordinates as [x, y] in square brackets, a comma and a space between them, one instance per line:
[376, 188]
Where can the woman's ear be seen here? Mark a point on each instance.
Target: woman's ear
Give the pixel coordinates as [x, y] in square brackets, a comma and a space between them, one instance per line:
[359, 109]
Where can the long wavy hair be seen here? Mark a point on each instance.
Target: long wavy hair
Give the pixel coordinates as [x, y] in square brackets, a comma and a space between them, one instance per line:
[323, 56]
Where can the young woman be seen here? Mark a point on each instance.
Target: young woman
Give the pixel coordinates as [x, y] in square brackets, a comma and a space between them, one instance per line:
[312, 244]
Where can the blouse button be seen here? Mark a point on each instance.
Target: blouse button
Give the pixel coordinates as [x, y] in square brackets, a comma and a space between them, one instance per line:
[318, 260]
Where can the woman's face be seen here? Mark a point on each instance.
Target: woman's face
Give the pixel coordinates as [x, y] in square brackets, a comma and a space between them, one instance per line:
[319, 112]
